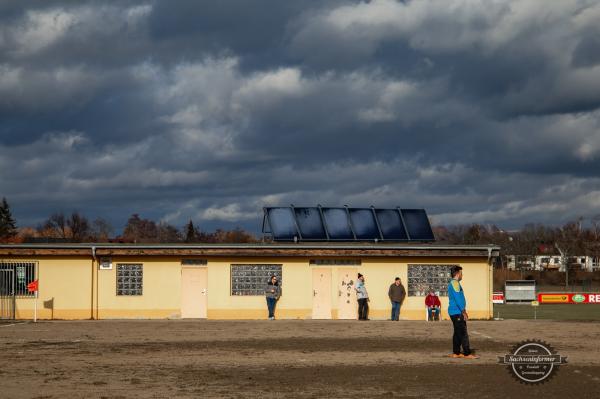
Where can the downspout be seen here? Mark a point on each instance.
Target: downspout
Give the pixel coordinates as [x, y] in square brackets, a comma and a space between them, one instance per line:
[490, 283]
[94, 263]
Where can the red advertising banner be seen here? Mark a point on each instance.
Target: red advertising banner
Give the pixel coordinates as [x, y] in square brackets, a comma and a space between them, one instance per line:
[568, 297]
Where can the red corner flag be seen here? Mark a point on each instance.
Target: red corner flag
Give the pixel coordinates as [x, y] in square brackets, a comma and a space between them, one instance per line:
[33, 286]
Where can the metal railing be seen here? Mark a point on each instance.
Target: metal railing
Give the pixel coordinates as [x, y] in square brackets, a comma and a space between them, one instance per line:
[14, 277]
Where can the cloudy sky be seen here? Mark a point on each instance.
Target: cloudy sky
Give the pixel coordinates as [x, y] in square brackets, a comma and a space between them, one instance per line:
[478, 111]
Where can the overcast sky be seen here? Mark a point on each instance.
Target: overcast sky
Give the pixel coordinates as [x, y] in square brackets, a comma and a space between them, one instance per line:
[478, 111]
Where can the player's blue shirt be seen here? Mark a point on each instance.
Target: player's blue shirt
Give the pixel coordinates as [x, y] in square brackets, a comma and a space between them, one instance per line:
[456, 298]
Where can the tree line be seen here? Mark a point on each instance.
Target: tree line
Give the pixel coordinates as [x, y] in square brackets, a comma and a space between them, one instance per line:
[76, 227]
[578, 237]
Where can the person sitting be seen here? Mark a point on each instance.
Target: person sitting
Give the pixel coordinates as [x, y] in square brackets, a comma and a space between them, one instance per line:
[432, 301]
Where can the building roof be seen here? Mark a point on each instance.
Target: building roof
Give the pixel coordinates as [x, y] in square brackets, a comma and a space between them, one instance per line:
[257, 249]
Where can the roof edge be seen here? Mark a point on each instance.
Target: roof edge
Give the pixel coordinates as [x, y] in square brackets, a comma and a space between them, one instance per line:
[378, 246]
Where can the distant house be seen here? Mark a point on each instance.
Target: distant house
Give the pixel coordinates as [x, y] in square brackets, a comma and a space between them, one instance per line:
[585, 263]
[547, 257]
[548, 262]
[553, 262]
[520, 262]
[596, 263]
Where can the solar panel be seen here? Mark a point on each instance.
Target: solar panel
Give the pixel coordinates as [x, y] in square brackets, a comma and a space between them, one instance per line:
[391, 224]
[417, 225]
[364, 224]
[336, 222]
[310, 223]
[282, 223]
[347, 224]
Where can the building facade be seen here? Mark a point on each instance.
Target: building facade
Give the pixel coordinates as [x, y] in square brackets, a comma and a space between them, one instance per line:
[227, 281]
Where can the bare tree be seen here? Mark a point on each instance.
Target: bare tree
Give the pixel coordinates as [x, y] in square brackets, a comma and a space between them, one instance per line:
[79, 227]
[55, 226]
[168, 233]
[596, 226]
[140, 230]
[101, 230]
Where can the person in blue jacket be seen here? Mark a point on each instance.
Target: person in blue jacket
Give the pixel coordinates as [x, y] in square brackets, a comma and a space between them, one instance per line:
[457, 309]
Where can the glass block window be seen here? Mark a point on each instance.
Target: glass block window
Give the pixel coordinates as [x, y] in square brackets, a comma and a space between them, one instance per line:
[335, 262]
[251, 280]
[422, 278]
[130, 279]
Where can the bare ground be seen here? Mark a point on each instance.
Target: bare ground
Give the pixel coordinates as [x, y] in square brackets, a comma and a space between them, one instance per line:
[308, 359]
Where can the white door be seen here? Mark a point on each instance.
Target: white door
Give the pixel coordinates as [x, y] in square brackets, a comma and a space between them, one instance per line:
[321, 294]
[347, 305]
[194, 292]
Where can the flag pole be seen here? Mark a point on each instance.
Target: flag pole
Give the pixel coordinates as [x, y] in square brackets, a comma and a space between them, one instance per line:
[34, 287]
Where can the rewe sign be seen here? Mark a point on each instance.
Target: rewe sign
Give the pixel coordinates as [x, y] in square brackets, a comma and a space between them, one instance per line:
[568, 297]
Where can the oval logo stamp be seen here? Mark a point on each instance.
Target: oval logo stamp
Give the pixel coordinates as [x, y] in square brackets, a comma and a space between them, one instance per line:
[532, 361]
[578, 298]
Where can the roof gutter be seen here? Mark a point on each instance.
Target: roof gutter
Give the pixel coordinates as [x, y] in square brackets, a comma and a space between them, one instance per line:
[94, 247]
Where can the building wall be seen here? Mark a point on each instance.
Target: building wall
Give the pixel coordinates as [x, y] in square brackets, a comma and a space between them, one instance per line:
[295, 302]
[74, 288]
[161, 297]
[65, 289]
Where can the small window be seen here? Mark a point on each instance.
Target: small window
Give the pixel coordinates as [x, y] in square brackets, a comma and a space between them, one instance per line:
[335, 262]
[194, 262]
[250, 280]
[130, 279]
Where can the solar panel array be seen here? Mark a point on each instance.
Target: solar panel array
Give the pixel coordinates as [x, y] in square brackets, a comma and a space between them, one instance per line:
[346, 224]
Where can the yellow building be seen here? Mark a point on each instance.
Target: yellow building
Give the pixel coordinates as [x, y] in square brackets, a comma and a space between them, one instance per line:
[218, 281]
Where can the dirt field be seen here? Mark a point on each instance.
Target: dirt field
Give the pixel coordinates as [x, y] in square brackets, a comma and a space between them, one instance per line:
[276, 359]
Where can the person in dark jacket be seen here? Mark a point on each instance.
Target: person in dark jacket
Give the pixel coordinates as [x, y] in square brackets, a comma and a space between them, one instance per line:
[397, 293]
[272, 293]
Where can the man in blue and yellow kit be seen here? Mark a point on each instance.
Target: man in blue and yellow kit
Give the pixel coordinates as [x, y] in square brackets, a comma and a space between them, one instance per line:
[457, 309]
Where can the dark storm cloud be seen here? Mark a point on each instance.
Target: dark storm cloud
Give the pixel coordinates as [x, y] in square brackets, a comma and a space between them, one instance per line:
[478, 111]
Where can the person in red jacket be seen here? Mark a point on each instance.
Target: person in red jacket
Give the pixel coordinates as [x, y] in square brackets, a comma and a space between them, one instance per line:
[432, 301]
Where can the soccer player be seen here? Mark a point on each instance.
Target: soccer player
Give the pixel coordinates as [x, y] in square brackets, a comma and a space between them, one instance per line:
[457, 309]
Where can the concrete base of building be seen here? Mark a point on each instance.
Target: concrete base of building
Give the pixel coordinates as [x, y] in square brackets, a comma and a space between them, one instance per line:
[217, 314]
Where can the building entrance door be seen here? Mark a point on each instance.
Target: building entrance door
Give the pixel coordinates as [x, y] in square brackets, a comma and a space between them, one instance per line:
[347, 305]
[194, 292]
[321, 294]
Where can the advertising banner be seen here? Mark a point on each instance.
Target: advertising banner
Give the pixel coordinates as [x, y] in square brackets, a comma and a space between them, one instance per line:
[498, 297]
[568, 297]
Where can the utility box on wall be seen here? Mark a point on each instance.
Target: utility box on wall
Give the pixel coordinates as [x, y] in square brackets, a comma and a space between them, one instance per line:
[105, 264]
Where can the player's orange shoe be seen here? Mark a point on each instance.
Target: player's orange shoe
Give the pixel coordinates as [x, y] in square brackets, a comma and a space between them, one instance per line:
[470, 356]
[455, 356]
